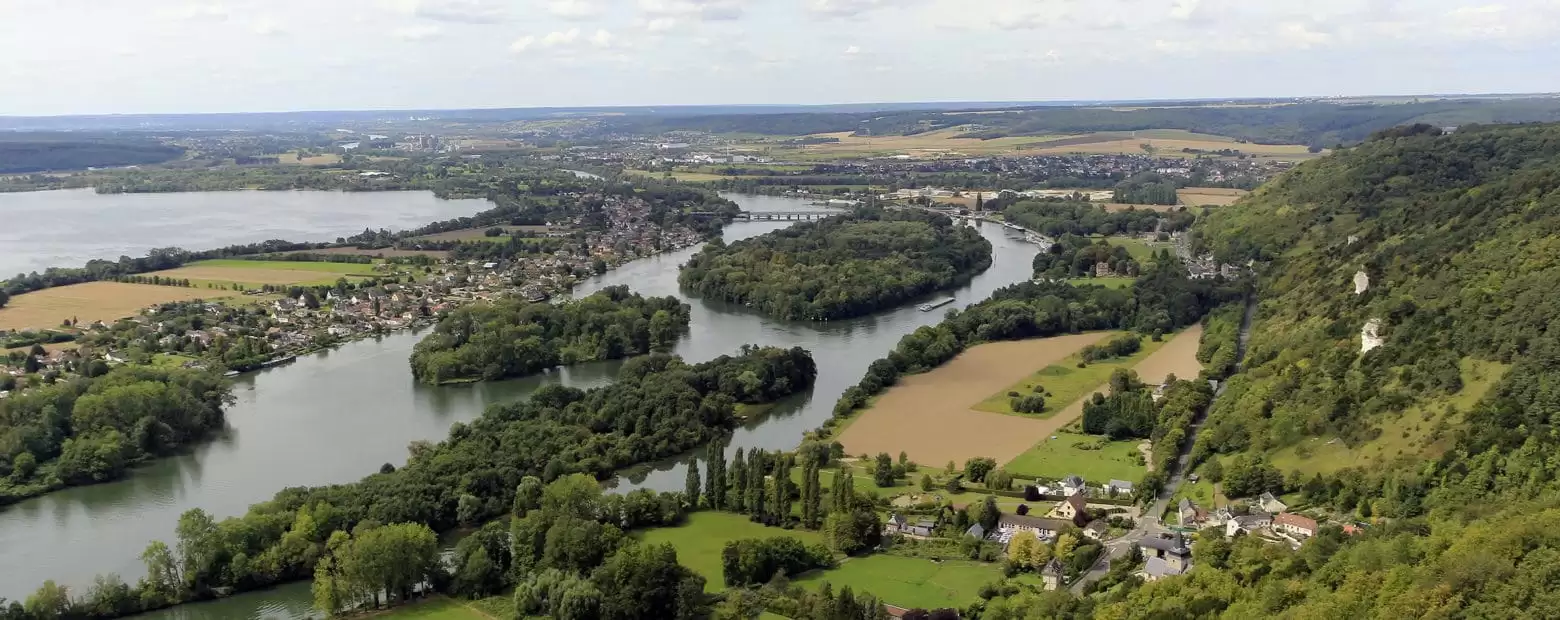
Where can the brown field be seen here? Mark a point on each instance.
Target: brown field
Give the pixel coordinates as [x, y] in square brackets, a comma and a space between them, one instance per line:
[323, 159]
[381, 253]
[951, 142]
[928, 416]
[1169, 143]
[1209, 196]
[1177, 357]
[249, 276]
[93, 301]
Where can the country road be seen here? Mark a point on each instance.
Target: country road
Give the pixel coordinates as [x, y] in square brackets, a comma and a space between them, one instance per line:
[1148, 524]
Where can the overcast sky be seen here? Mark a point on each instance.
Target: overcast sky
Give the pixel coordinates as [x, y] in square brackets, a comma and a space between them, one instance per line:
[129, 56]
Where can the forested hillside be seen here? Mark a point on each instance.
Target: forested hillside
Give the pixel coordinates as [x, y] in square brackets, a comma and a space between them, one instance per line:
[45, 152]
[513, 337]
[1458, 237]
[840, 267]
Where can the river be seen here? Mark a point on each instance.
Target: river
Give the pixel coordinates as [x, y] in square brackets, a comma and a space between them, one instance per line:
[67, 228]
[336, 416]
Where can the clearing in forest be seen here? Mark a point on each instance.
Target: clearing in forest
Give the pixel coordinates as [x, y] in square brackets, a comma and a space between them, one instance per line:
[930, 417]
[93, 301]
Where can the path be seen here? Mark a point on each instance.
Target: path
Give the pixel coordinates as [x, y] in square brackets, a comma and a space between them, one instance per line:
[1149, 525]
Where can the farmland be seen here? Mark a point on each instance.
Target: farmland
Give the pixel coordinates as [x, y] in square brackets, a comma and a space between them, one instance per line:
[909, 582]
[1066, 383]
[929, 415]
[93, 301]
[699, 542]
[253, 273]
[954, 142]
[1209, 196]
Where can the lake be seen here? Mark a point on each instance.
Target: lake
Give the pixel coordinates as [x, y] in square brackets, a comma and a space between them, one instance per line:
[337, 416]
[67, 228]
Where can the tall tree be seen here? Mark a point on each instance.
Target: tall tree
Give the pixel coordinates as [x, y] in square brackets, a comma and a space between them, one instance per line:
[739, 484]
[691, 486]
[811, 495]
[715, 474]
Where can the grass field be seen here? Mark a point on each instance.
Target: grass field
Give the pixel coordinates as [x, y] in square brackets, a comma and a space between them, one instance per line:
[93, 301]
[686, 177]
[1139, 249]
[1113, 282]
[862, 480]
[909, 582]
[699, 542]
[434, 608]
[253, 273]
[1056, 458]
[323, 159]
[1209, 196]
[1065, 381]
[1410, 434]
[929, 415]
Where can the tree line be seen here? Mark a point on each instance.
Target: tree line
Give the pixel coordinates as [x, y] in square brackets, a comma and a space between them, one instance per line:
[93, 428]
[512, 337]
[659, 406]
[840, 267]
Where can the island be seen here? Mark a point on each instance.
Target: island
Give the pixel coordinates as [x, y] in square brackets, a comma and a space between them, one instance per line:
[840, 267]
[514, 337]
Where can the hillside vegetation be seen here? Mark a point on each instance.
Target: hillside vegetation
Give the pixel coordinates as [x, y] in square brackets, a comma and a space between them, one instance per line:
[1458, 236]
[840, 267]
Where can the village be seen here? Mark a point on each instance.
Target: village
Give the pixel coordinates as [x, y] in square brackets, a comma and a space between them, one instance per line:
[271, 325]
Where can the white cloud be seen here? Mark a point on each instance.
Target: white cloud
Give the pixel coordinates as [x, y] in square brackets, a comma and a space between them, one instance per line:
[852, 50]
[461, 11]
[266, 27]
[557, 38]
[199, 11]
[575, 9]
[708, 10]
[602, 38]
[661, 24]
[847, 8]
[522, 44]
[420, 32]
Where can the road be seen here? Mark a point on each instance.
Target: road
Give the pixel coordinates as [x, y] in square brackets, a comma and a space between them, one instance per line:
[1149, 524]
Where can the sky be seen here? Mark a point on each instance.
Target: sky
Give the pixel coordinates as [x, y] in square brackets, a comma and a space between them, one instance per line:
[178, 56]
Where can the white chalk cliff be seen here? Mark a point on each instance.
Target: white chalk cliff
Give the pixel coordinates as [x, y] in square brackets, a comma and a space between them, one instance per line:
[1370, 337]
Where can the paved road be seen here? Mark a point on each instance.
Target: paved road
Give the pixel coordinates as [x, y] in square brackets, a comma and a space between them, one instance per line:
[1149, 524]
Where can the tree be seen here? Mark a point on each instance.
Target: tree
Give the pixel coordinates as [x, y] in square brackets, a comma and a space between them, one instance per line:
[528, 496]
[691, 486]
[715, 474]
[812, 496]
[989, 514]
[646, 582]
[1026, 552]
[883, 472]
[739, 483]
[977, 468]
[1213, 470]
[1065, 545]
[926, 483]
[999, 480]
[50, 601]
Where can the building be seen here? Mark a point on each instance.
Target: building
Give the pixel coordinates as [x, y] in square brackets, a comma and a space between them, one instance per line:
[1096, 529]
[1052, 575]
[1044, 529]
[1120, 487]
[1297, 525]
[976, 531]
[1167, 555]
[1270, 503]
[1190, 514]
[1071, 508]
[1073, 484]
[1247, 523]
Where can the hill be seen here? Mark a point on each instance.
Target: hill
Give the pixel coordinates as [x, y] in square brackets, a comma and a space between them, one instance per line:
[1457, 236]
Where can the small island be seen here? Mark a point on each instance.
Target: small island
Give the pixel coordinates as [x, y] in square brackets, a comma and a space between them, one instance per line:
[841, 267]
[514, 338]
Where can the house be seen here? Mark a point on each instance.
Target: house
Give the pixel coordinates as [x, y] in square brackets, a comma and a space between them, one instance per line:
[1052, 575]
[1119, 487]
[1096, 529]
[1190, 514]
[1071, 508]
[922, 527]
[1219, 517]
[1045, 529]
[1247, 523]
[976, 531]
[896, 524]
[1103, 270]
[1298, 525]
[1167, 555]
[1269, 503]
[1073, 484]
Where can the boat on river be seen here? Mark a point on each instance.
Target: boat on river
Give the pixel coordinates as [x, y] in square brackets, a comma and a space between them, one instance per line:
[933, 305]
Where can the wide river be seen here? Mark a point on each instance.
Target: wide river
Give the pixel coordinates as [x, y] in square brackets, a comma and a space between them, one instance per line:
[67, 228]
[336, 416]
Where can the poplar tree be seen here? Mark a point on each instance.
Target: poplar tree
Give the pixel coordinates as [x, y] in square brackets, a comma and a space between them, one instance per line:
[739, 484]
[691, 486]
[715, 474]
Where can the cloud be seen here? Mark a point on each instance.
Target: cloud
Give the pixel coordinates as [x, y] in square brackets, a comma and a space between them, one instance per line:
[602, 38]
[557, 38]
[199, 11]
[852, 50]
[707, 10]
[845, 8]
[661, 24]
[522, 44]
[420, 32]
[266, 27]
[575, 9]
[461, 11]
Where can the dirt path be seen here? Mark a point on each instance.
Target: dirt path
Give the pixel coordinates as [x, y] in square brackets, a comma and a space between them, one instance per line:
[928, 416]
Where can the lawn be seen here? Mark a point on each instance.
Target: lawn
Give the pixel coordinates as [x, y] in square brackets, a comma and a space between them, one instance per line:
[863, 480]
[1113, 282]
[699, 542]
[1410, 434]
[909, 582]
[1064, 382]
[359, 269]
[1056, 458]
[435, 608]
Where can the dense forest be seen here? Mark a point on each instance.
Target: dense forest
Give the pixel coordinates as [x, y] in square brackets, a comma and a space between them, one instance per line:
[22, 153]
[1055, 218]
[1076, 257]
[513, 337]
[840, 267]
[92, 428]
[659, 406]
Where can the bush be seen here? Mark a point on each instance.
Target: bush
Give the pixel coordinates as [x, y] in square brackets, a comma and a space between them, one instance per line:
[1033, 403]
